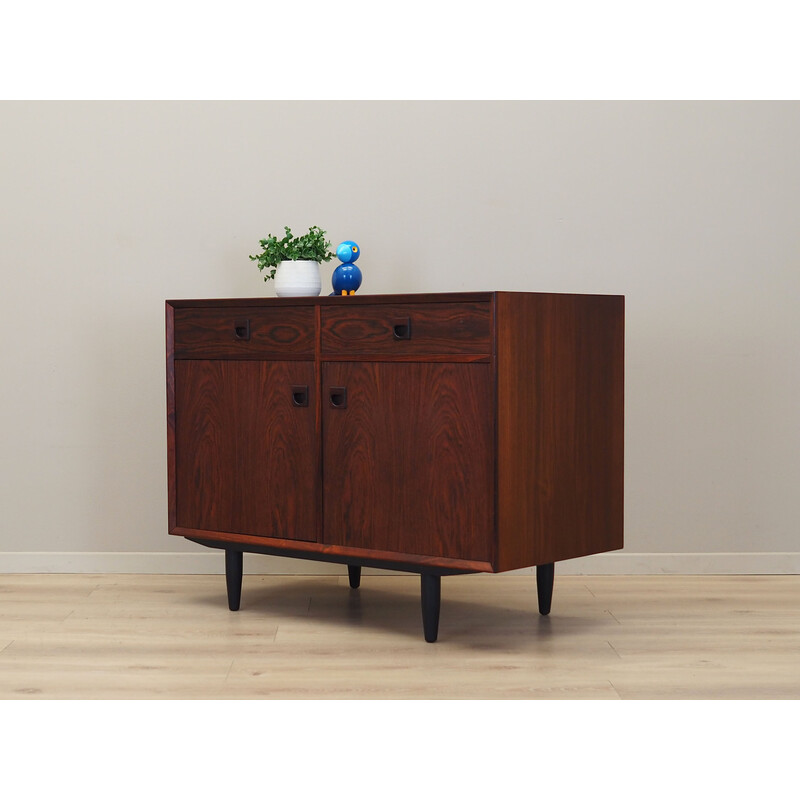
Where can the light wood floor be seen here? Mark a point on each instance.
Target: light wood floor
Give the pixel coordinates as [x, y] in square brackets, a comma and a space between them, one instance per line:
[608, 637]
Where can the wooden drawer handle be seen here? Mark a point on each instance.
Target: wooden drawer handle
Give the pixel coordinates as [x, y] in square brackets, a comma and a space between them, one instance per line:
[338, 396]
[402, 328]
[300, 396]
[241, 330]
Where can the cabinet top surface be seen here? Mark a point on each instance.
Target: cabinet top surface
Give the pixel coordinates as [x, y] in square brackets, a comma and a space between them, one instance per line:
[359, 299]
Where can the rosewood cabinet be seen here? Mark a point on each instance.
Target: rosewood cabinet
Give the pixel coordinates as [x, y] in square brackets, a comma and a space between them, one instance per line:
[437, 434]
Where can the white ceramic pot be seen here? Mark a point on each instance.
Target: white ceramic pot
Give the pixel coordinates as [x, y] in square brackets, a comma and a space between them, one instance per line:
[298, 279]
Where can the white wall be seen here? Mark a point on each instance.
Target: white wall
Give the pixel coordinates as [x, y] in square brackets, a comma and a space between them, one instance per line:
[689, 209]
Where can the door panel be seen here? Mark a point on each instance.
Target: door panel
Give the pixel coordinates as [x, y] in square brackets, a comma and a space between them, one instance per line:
[247, 457]
[408, 461]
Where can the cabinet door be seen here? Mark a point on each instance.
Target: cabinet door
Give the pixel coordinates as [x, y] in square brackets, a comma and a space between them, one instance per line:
[246, 448]
[408, 457]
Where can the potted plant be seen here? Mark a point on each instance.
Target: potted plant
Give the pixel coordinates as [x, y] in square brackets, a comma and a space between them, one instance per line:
[294, 262]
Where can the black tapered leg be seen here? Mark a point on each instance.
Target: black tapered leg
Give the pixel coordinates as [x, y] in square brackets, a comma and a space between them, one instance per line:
[545, 574]
[354, 573]
[431, 602]
[233, 578]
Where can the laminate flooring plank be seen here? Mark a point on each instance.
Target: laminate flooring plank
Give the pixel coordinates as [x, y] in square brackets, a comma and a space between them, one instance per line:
[608, 637]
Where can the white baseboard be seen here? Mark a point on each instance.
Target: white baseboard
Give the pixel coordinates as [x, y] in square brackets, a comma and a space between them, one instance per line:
[212, 562]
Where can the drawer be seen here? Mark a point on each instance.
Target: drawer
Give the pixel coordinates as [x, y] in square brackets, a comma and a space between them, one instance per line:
[256, 332]
[406, 329]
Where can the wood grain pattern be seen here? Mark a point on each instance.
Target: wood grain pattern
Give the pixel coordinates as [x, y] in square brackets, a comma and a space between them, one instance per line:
[409, 467]
[409, 463]
[435, 328]
[273, 332]
[247, 458]
[560, 364]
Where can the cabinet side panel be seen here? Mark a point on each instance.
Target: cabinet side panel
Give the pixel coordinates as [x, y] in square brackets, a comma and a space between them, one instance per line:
[170, 335]
[560, 361]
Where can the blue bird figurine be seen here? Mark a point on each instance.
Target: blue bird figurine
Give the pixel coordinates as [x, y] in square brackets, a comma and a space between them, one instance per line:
[346, 277]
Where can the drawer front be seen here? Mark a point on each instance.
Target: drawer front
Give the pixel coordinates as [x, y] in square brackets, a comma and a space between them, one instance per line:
[407, 329]
[244, 332]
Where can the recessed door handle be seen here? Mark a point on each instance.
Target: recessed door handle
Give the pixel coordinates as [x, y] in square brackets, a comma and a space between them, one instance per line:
[338, 396]
[241, 330]
[402, 328]
[300, 396]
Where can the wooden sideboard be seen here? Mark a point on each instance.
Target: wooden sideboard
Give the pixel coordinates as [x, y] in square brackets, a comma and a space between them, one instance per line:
[431, 433]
